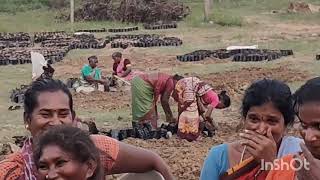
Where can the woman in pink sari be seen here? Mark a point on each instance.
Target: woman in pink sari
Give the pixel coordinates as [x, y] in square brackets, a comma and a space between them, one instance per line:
[122, 67]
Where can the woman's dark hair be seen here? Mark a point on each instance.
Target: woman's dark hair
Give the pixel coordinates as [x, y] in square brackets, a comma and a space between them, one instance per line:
[224, 98]
[267, 90]
[72, 140]
[92, 58]
[177, 77]
[309, 92]
[48, 69]
[44, 85]
[116, 54]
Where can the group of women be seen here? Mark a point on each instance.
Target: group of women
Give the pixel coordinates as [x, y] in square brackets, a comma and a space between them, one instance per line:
[57, 149]
[196, 99]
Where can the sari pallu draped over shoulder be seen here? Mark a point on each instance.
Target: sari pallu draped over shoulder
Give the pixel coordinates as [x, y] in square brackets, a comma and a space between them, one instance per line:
[249, 169]
[285, 173]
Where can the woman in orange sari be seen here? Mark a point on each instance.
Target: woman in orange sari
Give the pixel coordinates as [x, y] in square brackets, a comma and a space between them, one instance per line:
[267, 111]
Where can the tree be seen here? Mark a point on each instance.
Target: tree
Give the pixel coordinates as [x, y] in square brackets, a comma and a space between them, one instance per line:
[72, 11]
[208, 8]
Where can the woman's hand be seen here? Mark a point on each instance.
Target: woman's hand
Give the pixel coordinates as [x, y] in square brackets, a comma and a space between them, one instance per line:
[259, 146]
[307, 166]
[137, 160]
[171, 119]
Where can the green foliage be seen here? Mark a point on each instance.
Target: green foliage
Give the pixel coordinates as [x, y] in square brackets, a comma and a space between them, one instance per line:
[14, 6]
[226, 19]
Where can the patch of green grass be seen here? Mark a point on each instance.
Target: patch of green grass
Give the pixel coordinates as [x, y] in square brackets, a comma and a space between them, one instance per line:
[298, 17]
[225, 19]
[12, 121]
[13, 6]
[301, 46]
[232, 12]
[226, 12]
[44, 20]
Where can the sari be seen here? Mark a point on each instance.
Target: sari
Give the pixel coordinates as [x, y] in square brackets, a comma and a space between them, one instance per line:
[217, 162]
[146, 90]
[285, 173]
[245, 170]
[189, 92]
[121, 69]
[250, 169]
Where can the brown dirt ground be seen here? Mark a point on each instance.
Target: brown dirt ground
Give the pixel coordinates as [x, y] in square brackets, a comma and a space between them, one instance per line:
[234, 82]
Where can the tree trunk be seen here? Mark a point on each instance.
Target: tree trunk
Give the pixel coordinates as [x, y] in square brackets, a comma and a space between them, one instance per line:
[208, 8]
[72, 11]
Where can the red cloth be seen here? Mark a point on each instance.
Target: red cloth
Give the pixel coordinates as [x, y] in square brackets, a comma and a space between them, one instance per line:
[211, 98]
[160, 82]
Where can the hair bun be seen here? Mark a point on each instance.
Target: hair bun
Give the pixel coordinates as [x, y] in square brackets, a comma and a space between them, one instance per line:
[223, 92]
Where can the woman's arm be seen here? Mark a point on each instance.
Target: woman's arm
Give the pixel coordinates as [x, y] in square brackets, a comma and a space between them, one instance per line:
[208, 113]
[127, 71]
[127, 68]
[166, 107]
[132, 159]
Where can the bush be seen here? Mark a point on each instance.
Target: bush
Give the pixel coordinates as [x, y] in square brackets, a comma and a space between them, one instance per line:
[57, 4]
[225, 19]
